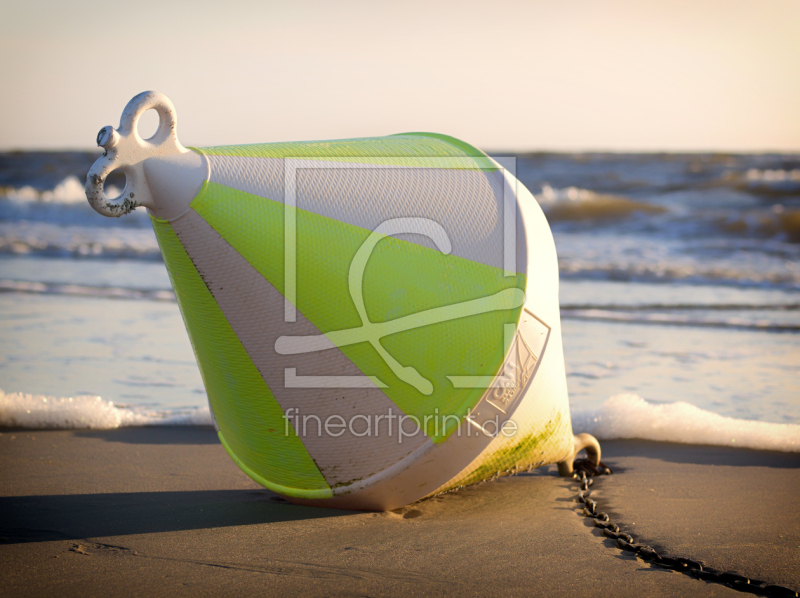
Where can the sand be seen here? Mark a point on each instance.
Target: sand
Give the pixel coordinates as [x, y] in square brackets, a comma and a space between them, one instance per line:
[164, 511]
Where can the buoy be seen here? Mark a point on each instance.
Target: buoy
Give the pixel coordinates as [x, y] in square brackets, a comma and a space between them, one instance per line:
[375, 320]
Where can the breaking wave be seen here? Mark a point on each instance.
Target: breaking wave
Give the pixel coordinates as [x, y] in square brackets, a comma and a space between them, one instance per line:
[19, 410]
[70, 191]
[574, 204]
[621, 416]
[630, 416]
[63, 204]
[766, 181]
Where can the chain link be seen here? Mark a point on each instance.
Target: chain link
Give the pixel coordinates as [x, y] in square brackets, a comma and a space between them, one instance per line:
[585, 469]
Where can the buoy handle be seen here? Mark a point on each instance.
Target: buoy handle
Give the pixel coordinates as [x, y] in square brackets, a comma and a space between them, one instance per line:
[126, 150]
[579, 443]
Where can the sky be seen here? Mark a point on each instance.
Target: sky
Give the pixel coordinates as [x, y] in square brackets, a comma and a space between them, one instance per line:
[618, 75]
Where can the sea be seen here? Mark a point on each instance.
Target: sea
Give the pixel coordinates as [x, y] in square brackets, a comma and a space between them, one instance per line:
[679, 291]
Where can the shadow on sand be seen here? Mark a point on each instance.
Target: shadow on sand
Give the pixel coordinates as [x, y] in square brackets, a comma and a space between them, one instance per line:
[72, 517]
[155, 435]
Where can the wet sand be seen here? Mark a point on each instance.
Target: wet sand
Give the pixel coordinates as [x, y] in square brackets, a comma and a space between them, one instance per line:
[164, 511]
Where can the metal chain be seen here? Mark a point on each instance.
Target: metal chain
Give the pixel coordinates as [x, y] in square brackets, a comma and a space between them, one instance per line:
[585, 468]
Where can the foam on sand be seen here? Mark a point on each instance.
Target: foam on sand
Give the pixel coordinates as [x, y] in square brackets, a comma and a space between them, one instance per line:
[19, 410]
[630, 416]
[621, 416]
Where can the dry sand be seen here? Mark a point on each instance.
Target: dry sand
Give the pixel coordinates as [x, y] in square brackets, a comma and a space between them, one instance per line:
[164, 511]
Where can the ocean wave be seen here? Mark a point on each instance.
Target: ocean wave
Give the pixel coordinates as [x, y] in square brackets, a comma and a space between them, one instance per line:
[64, 204]
[680, 306]
[777, 222]
[680, 319]
[19, 410]
[58, 240]
[630, 416]
[44, 170]
[575, 204]
[44, 288]
[68, 191]
[777, 175]
[789, 225]
[622, 416]
[776, 181]
[664, 271]
[764, 317]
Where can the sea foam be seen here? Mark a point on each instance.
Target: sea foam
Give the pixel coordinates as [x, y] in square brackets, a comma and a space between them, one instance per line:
[621, 416]
[19, 410]
[630, 416]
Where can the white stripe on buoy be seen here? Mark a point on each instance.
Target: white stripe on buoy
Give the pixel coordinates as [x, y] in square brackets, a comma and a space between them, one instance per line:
[254, 309]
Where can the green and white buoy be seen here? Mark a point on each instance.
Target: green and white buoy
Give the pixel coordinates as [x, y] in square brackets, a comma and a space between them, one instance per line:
[375, 320]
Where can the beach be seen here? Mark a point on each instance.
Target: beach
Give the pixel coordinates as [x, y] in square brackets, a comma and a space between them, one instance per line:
[322, 299]
[680, 308]
[164, 511]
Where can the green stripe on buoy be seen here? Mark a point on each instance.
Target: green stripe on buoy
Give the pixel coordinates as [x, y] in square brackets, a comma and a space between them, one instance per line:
[250, 421]
[401, 279]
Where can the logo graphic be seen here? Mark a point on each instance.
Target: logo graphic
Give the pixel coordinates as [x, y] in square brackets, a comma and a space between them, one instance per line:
[373, 332]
